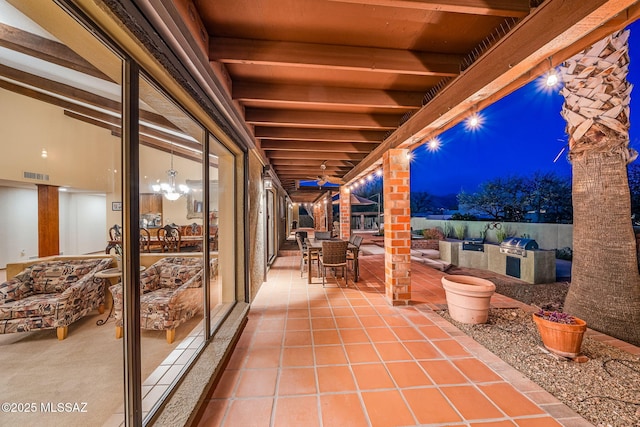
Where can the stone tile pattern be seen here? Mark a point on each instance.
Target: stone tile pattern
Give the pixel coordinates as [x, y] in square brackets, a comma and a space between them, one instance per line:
[343, 356]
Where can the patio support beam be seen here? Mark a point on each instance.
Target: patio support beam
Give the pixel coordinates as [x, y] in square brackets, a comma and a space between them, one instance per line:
[292, 134]
[329, 119]
[306, 155]
[289, 95]
[318, 146]
[397, 226]
[332, 57]
[513, 8]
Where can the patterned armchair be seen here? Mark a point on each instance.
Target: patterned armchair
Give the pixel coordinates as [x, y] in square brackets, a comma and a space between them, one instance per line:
[52, 294]
[171, 294]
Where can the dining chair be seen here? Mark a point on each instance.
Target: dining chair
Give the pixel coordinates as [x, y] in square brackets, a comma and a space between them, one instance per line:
[169, 238]
[145, 240]
[351, 254]
[334, 254]
[304, 257]
[322, 235]
[115, 233]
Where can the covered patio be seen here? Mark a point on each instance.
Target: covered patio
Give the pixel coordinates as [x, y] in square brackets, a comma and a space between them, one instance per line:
[343, 356]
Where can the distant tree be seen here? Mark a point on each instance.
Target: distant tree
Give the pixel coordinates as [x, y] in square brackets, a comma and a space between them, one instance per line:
[551, 194]
[502, 199]
[421, 202]
[463, 217]
[633, 173]
[509, 199]
[369, 188]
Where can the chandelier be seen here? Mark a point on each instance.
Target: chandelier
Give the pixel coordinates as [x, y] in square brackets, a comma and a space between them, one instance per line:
[170, 190]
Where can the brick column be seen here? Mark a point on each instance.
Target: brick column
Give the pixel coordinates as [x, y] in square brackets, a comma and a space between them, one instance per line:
[328, 207]
[345, 213]
[320, 215]
[397, 227]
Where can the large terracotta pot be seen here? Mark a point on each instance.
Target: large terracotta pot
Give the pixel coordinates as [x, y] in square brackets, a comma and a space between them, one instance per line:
[560, 338]
[468, 298]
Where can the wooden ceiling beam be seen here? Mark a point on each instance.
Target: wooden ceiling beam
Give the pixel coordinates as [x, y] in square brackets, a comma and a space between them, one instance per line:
[332, 57]
[508, 8]
[294, 134]
[549, 29]
[113, 125]
[41, 85]
[306, 155]
[312, 163]
[47, 50]
[59, 88]
[334, 96]
[345, 147]
[328, 119]
[306, 170]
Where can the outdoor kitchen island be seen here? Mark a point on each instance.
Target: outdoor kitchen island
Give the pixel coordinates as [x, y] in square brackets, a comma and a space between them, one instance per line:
[515, 257]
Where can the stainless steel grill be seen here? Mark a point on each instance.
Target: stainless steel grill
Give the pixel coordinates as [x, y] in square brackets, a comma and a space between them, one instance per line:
[517, 246]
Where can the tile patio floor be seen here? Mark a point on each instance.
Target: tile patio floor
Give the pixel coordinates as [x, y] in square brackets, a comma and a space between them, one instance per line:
[313, 356]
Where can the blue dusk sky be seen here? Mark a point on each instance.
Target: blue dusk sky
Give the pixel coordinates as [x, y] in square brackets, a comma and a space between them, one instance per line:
[521, 134]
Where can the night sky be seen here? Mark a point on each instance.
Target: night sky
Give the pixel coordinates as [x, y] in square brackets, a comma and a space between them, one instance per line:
[521, 134]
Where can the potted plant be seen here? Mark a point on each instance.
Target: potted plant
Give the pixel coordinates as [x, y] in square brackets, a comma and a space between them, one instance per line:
[468, 298]
[561, 333]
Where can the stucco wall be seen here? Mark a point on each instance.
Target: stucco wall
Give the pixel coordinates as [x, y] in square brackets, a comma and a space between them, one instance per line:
[548, 236]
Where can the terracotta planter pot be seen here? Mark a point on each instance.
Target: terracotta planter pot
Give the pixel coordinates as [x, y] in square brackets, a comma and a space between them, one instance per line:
[468, 298]
[559, 338]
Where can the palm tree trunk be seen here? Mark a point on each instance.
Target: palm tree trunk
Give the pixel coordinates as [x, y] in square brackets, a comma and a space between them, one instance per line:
[605, 283]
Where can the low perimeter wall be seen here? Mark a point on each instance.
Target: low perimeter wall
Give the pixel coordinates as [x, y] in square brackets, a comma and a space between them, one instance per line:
[548, 236]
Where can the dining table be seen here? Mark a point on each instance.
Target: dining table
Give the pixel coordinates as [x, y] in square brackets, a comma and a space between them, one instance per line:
[154, 242]
[314, 246]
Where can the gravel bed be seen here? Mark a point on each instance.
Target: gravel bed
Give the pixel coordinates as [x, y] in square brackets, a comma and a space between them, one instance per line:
[605, 390]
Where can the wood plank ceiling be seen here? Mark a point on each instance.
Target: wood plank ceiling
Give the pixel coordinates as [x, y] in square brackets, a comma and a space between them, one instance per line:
[325, 87]
[323, 82]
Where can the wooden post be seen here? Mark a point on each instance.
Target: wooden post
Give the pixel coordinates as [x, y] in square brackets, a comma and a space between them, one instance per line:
[48, 221]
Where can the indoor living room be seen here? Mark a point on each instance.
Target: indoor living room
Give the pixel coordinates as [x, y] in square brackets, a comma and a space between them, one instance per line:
[62, 136]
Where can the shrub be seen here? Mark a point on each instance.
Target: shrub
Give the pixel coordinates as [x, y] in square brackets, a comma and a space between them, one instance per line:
[459, 231]
[565, 253]
[448, 229]
[463, 217]
[432, 234]
[557, 317]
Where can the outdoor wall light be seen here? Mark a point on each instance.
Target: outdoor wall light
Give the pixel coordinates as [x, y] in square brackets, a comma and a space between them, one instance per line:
[552, 75]
[434, 144]
[473, 122]
[552, 78]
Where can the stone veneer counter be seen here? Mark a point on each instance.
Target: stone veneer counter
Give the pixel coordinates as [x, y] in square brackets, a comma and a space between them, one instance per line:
[538, 266]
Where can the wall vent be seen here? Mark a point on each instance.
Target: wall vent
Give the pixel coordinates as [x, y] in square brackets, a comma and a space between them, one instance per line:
[36, 176]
